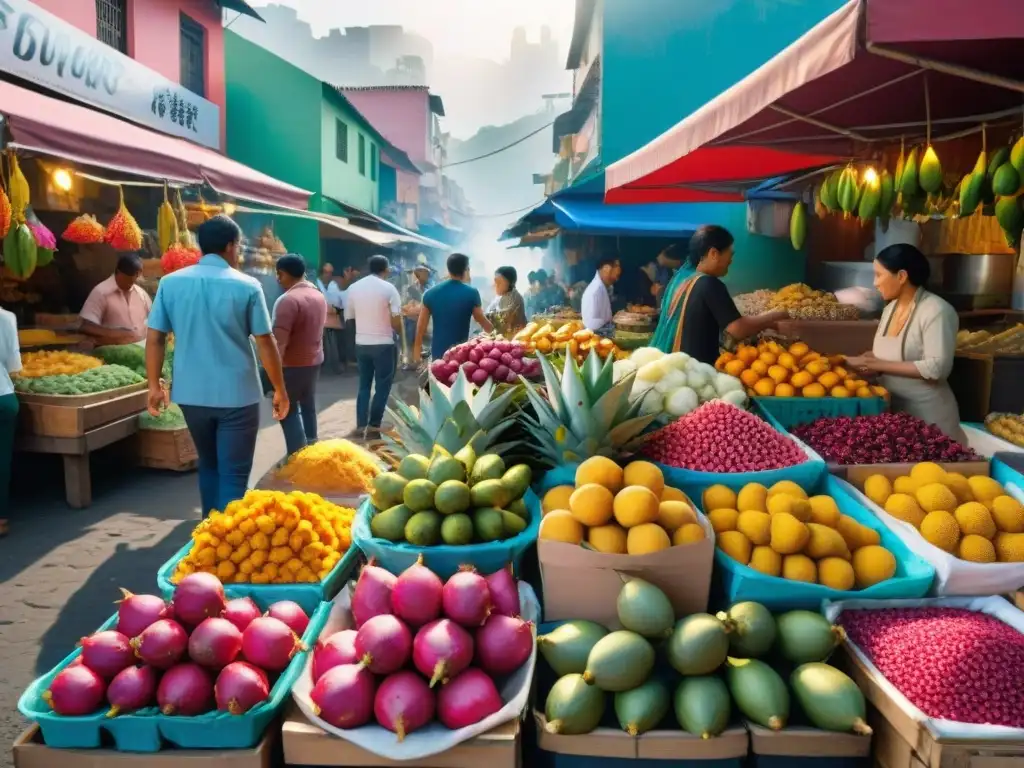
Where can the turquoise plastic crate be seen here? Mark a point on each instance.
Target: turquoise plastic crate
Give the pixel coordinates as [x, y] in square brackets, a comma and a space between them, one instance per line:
[784, 413]
[148, 730]
[912, 580]
[271, 593]
[445, 559]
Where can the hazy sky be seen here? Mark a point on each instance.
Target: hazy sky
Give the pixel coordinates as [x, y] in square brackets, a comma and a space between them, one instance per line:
[478, 28]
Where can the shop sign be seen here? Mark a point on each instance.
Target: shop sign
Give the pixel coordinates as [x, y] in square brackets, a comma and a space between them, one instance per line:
[40, 47]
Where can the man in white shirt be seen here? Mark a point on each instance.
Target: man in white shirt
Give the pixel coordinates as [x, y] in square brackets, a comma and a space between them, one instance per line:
[326, 277]
[375, 306]
[596, 305]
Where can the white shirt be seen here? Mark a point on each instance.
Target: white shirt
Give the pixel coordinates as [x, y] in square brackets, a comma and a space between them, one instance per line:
[10, 355]
[596, 305]
[372, 302]
[335, 295]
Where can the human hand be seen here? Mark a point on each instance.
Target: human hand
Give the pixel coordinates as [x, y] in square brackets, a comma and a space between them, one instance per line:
[157, 400]
[861, 363]
[281, 404]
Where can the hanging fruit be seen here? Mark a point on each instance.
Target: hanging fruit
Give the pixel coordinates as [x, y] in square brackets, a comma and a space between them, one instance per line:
[1006, 180]
[85, 230]
[19, 189]
[20, 251]
[972, 187]
[6, 214]
[871, 197]
[887, 195]
[908, 180]
[798, 226]
[46, 243]
[1017, 156]
[829, 192]
[901, 163]
[848, 191]
[177, 257]
[1001, 155]
[1011, 219]
[930, 174]
[166, 224]
[123, 231]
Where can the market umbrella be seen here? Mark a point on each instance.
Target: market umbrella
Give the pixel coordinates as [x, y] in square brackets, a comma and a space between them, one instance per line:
[872, 73]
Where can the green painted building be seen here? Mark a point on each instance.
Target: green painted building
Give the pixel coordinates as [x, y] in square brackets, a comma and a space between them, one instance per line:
[291, 126]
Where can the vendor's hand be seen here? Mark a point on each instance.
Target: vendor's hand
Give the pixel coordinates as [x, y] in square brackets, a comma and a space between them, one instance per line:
[157, 400]
[861, 363]
[281, 404]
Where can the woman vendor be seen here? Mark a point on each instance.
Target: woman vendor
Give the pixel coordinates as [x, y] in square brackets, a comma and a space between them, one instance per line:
[697, 307]
[507, 311]
[915, 341]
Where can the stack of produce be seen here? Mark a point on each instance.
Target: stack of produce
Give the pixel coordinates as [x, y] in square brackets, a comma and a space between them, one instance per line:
[331, 466]
[170, 419]
[1008, 342]
[55, 363]
[719, 657]
[973, 518]
[771, 370]
[453, 500]
[951, 663]
[571, 338]
[780, 531]
[421, 650]
[42, 337]
[85, 230]
[719, 437]
[1008, 426]
[557, 315]
[884, 438]
[133, 356]
[483, 359]
[754, 303]
[672, 385]
[197, 654]
[19, 244]
[804, 303]
[98, 379]
[619, 511]
[270, 537]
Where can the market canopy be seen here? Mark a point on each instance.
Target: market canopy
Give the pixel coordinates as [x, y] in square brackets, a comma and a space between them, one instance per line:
[43, 124]
[873, 72]
[590, 215]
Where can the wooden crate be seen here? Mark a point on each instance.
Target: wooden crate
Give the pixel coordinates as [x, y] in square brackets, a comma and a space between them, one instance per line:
[74, 416]
[167, 449]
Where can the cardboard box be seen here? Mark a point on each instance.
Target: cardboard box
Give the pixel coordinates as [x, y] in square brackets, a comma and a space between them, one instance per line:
[29, 751]
[580, 583]
[856, 474]
[732, 745]
[796, 745]
[308, 744]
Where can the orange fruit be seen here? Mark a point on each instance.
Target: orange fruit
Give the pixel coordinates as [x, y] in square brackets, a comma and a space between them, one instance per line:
[816, 367]
[880, 391]
[787, 361]
[765, 387]
[840, 392]
[750, 377]
[809, 357]
[798, 349]
[828, 380]
[836, 359]
[774, 347]
[841, 372]
[747, 354]
[778, 374]
[813, 390]
[865, 392]
[851, 384]
[723, 358]
[801, 379]
[785, 390]
[735, 367]
[767, 358]
[760, 366]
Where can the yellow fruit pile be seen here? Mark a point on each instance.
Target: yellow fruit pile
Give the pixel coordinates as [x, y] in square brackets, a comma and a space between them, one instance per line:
[804, 303]
[1008, 426]
[52, 363]
[569, 338]
[331, 466]
[972, 518]
[619, 511]
[270, 537]
[772, 370]
[780, 531]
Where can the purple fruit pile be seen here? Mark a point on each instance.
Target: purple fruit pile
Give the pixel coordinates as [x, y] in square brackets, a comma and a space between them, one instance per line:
[481, 359]
[422, 650]
[195, 654]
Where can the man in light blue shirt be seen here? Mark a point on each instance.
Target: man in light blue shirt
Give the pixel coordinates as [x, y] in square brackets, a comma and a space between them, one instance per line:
[213, 309]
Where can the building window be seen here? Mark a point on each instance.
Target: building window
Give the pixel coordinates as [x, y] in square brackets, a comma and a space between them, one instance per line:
[193, 56]
[112, 23]
[362, 155]
[341, 140]
[373, 162]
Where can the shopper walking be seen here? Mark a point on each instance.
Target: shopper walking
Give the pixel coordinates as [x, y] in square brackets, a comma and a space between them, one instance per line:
[10, 362]
[452, 304]
[213, 309]
[375, 306]
[300, 314]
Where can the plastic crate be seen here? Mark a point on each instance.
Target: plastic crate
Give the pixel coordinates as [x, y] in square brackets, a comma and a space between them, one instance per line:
[787, 412]
[148, 730]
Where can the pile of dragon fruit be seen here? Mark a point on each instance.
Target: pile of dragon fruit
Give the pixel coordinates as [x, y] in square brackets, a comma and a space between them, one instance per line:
[885, 438]
[719, 437]
[422, 650]
[482, 358]
[951, 663]
[196, 654]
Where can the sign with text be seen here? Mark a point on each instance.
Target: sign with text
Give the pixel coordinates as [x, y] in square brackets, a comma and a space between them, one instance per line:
[38, 46]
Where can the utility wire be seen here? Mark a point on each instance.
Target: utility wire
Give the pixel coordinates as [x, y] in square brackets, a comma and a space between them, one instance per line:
[506, 213]
[502, 149]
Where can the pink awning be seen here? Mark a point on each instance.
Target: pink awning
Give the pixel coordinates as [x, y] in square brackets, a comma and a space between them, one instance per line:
[50, 126]
[856, 80]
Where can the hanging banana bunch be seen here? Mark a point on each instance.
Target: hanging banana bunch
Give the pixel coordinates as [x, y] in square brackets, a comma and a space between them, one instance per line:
[166, 224]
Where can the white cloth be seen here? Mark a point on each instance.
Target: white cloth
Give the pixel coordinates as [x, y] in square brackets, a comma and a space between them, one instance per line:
[10, 355]
[372, 302]
[596, 305]
[335, 296]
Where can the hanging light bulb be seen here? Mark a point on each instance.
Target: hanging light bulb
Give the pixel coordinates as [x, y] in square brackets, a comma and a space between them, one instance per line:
[62, 179]
[870, 175]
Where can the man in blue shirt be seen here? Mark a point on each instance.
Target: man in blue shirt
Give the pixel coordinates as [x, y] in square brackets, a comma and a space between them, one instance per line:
[452, 303]
[213, 309]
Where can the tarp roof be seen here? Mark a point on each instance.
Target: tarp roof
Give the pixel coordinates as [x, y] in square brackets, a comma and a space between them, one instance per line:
[592, 216]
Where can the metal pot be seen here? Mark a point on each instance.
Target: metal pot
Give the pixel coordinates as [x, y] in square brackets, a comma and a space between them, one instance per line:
[978, 281]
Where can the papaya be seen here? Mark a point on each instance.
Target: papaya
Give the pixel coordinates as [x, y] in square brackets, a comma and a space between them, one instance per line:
[805, 636]
[887, 194]
[849, 190]
[901, 163]
[573, 707]
[619, 661]
[703, 706]
[870, 199]
[908, 181]
[929, 174]
[567, 647]
[1010, 218]
[1017, 156]
[699, 644]
[20, 251]
[1000, 157]
[752, 629]
[832, 701]
[644, 609]
[642, 708]
[760, 694]
[798, 226]
[829, 192]
[1006, 180]
[971, 189]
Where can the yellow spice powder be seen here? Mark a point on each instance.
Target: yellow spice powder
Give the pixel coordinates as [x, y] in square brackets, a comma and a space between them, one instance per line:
[332, 466]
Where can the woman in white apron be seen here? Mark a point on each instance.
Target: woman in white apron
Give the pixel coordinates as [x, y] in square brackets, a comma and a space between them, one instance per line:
[915, 341]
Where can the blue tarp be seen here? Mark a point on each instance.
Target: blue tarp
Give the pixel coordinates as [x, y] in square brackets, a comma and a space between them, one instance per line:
[594, 217]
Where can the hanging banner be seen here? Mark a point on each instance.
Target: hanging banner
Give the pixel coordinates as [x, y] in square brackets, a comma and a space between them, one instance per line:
[40, 47]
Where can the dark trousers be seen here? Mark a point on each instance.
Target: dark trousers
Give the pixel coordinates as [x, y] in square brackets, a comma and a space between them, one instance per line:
[8, 426]
[225, 440]
[299, 426]
[376, 371]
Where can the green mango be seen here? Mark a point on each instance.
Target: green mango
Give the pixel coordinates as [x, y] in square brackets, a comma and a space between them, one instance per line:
[490, 493]
[390, 524]
[573, 708]
[644, 609]
[418, 495]
[752, 629]
[798, 226]
[930, 173]
[517, 480]
[1010, 218]
[642, 708]
[760, 694]
[388, 489]
[870, 199]
[466, 456]
[1006, 180]
[452, 496]
[971, 191]
[806, 636]
[487, 467]
[489, 524]
[703, 705]
[518, 507]
[828, 193]
[901, 163]
[1000, 157]
[514, 524]
[444, 468]
[699, 644]
[619, 661]
[424, 529]
[1017, 156]
[908, 181]
[567, 647]
[457, 529]
[414, 467]
[887, 192]
[831, 700]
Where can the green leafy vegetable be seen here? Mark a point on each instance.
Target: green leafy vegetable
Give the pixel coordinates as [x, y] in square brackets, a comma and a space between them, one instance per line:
[170, 417]
[101, 379]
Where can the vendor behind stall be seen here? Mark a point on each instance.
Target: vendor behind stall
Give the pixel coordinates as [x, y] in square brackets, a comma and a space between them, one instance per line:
[596, 304]
[117, 309]
[915, 341]
[698, 309]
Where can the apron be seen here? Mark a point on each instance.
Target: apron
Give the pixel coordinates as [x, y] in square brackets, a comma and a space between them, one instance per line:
[931, 401]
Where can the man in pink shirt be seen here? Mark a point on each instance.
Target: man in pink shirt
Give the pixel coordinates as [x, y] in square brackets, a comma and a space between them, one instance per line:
[299, 317]
[117, 309]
